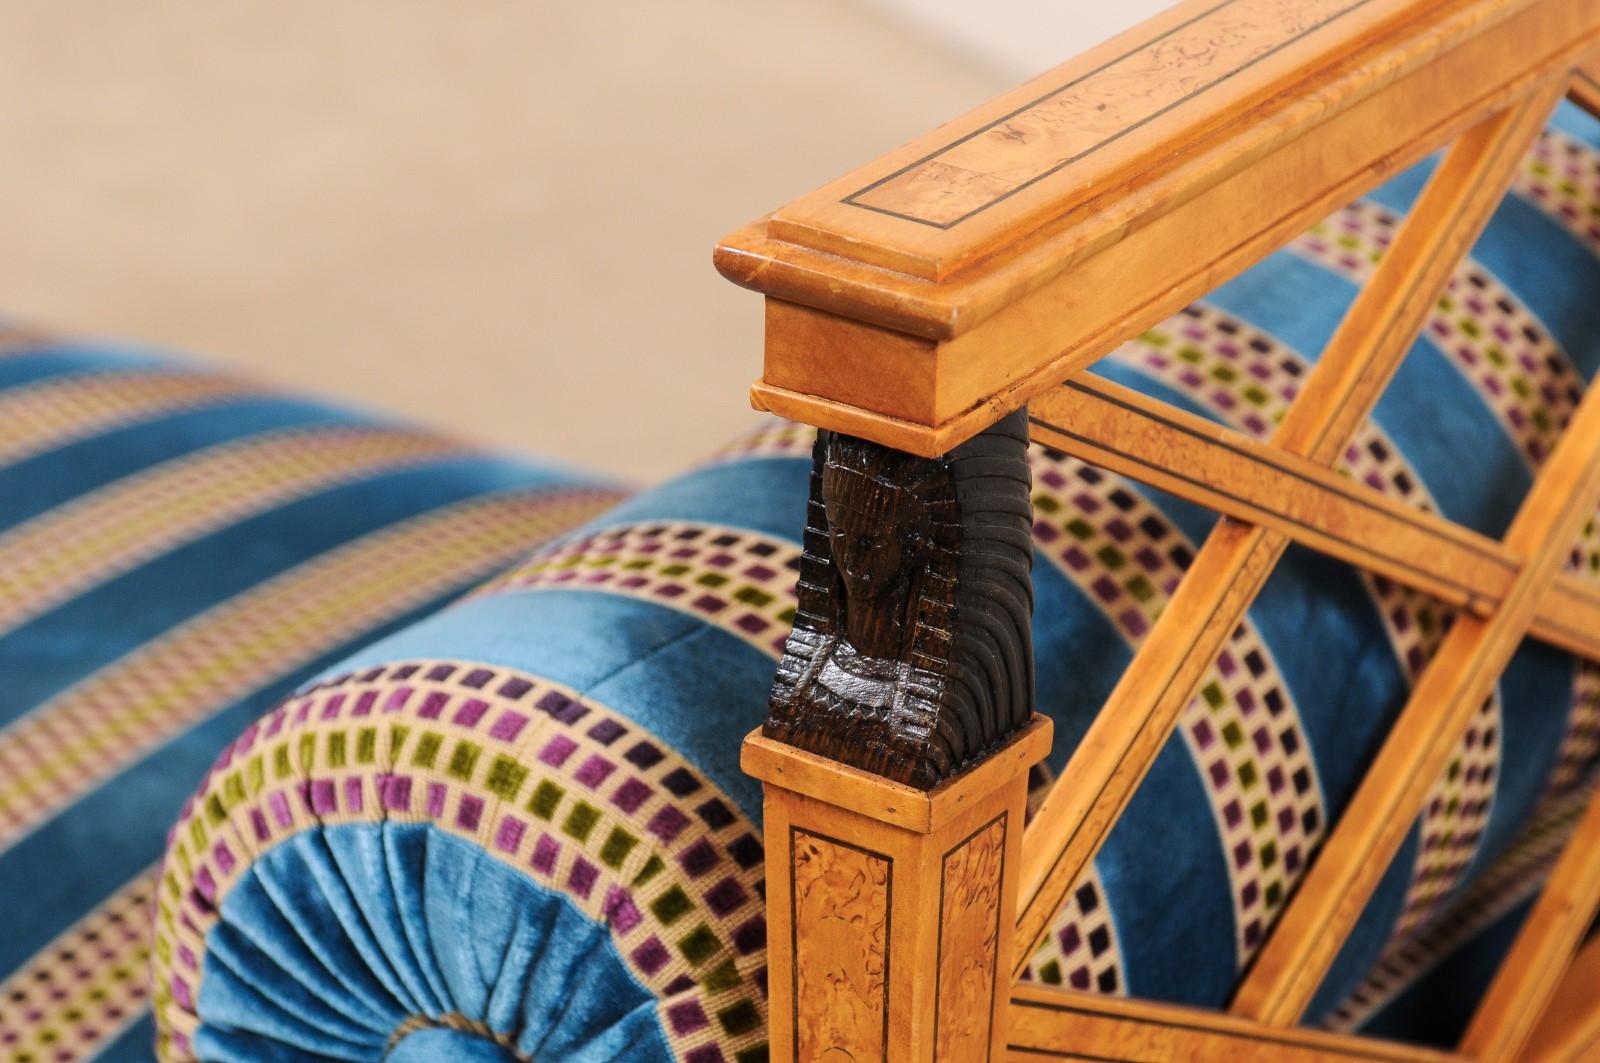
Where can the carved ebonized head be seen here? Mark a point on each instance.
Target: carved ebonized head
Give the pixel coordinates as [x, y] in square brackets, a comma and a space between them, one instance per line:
[911, 652]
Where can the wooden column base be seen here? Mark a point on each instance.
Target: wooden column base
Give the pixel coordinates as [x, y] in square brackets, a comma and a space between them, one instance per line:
[889, 908]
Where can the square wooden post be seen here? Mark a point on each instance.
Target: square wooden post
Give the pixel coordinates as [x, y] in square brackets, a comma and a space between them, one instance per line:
[890, 909]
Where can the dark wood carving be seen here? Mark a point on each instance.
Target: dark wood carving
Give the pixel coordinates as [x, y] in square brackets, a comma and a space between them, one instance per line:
[912, 649]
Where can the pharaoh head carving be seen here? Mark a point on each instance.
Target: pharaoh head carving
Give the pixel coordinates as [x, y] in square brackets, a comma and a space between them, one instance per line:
[911, 652]
[879, 533]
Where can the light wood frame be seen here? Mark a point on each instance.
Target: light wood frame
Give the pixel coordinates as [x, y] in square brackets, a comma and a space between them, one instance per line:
[918, 300]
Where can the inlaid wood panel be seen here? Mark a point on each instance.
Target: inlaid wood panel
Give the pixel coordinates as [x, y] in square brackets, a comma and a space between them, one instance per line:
[1072, 121]
[970, 902]
[889, 909]
[840, 925]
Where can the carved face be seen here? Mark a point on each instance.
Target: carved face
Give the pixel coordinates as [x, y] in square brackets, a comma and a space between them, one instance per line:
[876, 538]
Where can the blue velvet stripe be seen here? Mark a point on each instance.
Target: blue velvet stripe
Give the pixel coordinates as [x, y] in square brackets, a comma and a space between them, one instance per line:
[136, 1044]
[54, 360]
[1436, 1008]
[766, 495]
[1296, 302]
[1536, 702]
[1577, 123]
[51, 652]
[1319, 621]
[1550, 267]
[695, 686]
[294, 966]
[1441, 424]
[1174, 916]
[54, 477]
[1301, 303]
[1371, 934]
[1069, 631]
[123, 821]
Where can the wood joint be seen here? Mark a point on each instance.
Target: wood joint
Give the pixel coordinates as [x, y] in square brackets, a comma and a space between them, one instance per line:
[889, 909]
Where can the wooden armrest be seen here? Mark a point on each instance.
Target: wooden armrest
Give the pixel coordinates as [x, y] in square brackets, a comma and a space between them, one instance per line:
[922, 297]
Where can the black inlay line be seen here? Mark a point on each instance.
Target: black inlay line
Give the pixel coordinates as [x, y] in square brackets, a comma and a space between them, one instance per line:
[851, 200]
[1003, 819]
[1461, 536]
[794, 929]
[1582, 594]
[1468, 590]
[1266, 1035]
[1060, 1053]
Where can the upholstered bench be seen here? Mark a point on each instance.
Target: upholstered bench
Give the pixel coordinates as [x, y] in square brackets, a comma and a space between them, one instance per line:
[326, 738]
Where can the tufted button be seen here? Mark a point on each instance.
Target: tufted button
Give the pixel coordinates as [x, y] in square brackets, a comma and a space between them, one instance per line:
[440, 1044]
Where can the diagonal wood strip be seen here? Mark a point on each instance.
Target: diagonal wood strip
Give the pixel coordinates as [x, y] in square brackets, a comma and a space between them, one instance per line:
[1540, 968]
[1235, 560]
[1119, 429]
[1049, 1023]
[1585, 88]
[1460, 676]
[1570, 1026]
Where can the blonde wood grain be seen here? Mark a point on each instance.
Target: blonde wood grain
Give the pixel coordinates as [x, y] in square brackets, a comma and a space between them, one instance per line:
[1198, 57]
[969, 944]
[1569, 1030]
[904, 806]
[1585, 88]
[1137, 105]
[1126, 432]
[1531, 977]
[841, 933]
[1056, 1024]
[1450, 690]
[1236, 558]
[920, 364]
[932, 944]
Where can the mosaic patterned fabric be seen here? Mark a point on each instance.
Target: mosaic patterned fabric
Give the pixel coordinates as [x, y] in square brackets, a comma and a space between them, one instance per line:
[516, 828]
[178, 551]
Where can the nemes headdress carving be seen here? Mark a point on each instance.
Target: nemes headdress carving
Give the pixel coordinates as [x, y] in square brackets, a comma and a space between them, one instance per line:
[911, 653]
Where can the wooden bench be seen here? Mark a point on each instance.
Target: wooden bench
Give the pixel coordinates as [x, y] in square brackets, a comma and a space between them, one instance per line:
[914, 305]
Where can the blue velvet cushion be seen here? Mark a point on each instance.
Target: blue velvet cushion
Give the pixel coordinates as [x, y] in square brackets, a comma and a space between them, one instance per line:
[516, 829]
[179, 549]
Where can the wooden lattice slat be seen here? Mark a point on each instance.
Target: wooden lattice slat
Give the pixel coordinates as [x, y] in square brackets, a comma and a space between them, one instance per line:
[1531, 975]
[1570, 1028]
[1452, 687]
[1236, 558]
[1119, 429]
[1049, 1024]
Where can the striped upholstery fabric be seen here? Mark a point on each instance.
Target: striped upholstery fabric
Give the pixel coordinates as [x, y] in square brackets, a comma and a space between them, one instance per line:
[179, 549]
[516, 828]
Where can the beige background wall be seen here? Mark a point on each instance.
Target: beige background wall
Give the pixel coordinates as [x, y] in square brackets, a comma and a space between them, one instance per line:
[491, 215]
